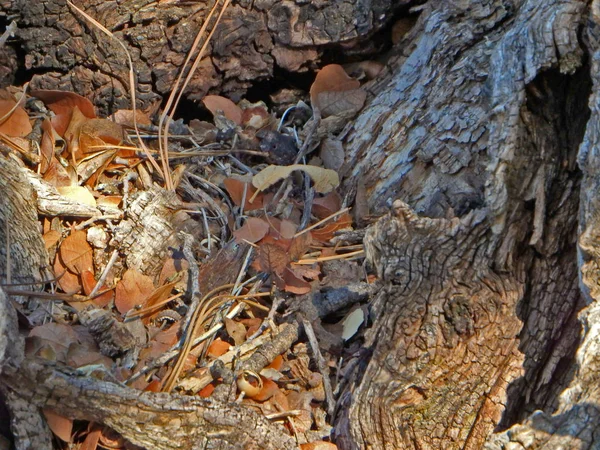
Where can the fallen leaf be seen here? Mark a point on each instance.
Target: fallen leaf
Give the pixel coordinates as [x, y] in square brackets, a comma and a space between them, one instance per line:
[132, 290]
[295, 283]
[272, 258]
[62, 103]
[125, 117]
[60, 426]
[80, 355]
[99, 132]
[325, 180]
[215, 103]
[332, 153]
[334, 92]
[79, 194]
[352, 323]
[159, 294]
[327, 205]
[276, 364]
[17, 123]
[206, 391]
[287, 229]
[318, 445]
[58, 336]
[252, 231]
[76, 253]
[51, 238]
[218, 347]
[299, 246]
[325, 233]
[235, 188]
[67, 281]
[88, 282]
[268, 390]
[235, 330]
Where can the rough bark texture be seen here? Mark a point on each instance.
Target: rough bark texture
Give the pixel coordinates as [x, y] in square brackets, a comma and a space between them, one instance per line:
[482, 129]
[253, 38]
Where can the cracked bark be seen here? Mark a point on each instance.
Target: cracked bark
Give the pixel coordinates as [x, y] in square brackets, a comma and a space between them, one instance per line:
[486, 128]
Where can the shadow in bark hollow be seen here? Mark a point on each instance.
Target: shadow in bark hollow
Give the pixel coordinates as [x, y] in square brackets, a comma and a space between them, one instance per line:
[555, 117]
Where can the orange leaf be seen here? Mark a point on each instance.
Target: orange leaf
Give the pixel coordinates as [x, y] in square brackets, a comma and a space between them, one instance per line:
[276, 364]
[62, 104]
[60, 426]
[252, 231]
[159, 294]
[318, 445]
[134, 289]
[68, 281]
[215, 103]
[89, 283]
[235, 188]
[51, 238]
[268, 390]
[207, 390]
[217, 348]
[125, 117]
[272, 258]
[17, 124]
[325, 233]
[76, 253]
[153, 386]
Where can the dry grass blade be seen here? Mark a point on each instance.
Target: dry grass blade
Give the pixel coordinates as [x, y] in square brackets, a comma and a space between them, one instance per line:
[5, 117]
[131, 85]
[177, 91]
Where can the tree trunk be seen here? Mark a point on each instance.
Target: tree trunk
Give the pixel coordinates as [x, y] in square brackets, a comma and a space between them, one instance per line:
[481, 136]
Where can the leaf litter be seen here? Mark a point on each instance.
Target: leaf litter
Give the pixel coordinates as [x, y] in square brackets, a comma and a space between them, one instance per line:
[241, 251]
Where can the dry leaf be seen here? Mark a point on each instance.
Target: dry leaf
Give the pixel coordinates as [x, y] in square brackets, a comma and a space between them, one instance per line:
[159, 294]
[62, 103]
[332, 153]
[294, 283]
[276, 364]
[235, 188]
[99, 132]
[134, 289]
[235, 330]
[325, 180]
[287, 229]
[54, 335]
[79, 194]
[125, 117]
[325, 233]
[318, 445]
[344, 104]
[68, 281]
[51, 238]
[272, 258]
[76, 253]
[88, 282]
[215, 103]
[252, 231]
[268, 390]
[17, 124]
[217, 348]
[352, 323]
[327, 205]
[334, 92]
[60, 426]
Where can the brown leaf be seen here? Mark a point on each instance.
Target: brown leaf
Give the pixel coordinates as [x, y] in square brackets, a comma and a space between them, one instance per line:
[58, 336]
[89, 283]
[215, 103]
[159, 294]
[17, 124]
[134, 289]
[272, 258]
[287, 229]
[125, 117]
[252, 231]
[294, 283]
[332, 153]
[318, 445]
[60, 426]
[80, 355]
[99, 132]
[235, 330]
[331, 85]
[62, 104]
[76, 253]
[256, 116]
[341, 103]
[325, 233]
[235, 188]
[299, 246]
[327, 205]
[51, 238]
[68, 281]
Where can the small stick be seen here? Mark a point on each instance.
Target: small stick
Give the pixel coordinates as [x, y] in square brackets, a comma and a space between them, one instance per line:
[102, 278]
[314, 344]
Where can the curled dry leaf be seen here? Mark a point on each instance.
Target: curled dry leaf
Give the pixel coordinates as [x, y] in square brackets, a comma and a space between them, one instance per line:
[215, 103]
[134, 289]
[60, 426]
[62, 103]
[252, 231]
[325, 180]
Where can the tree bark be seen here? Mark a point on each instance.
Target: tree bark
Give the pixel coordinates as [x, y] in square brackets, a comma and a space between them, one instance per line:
[481, 137]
